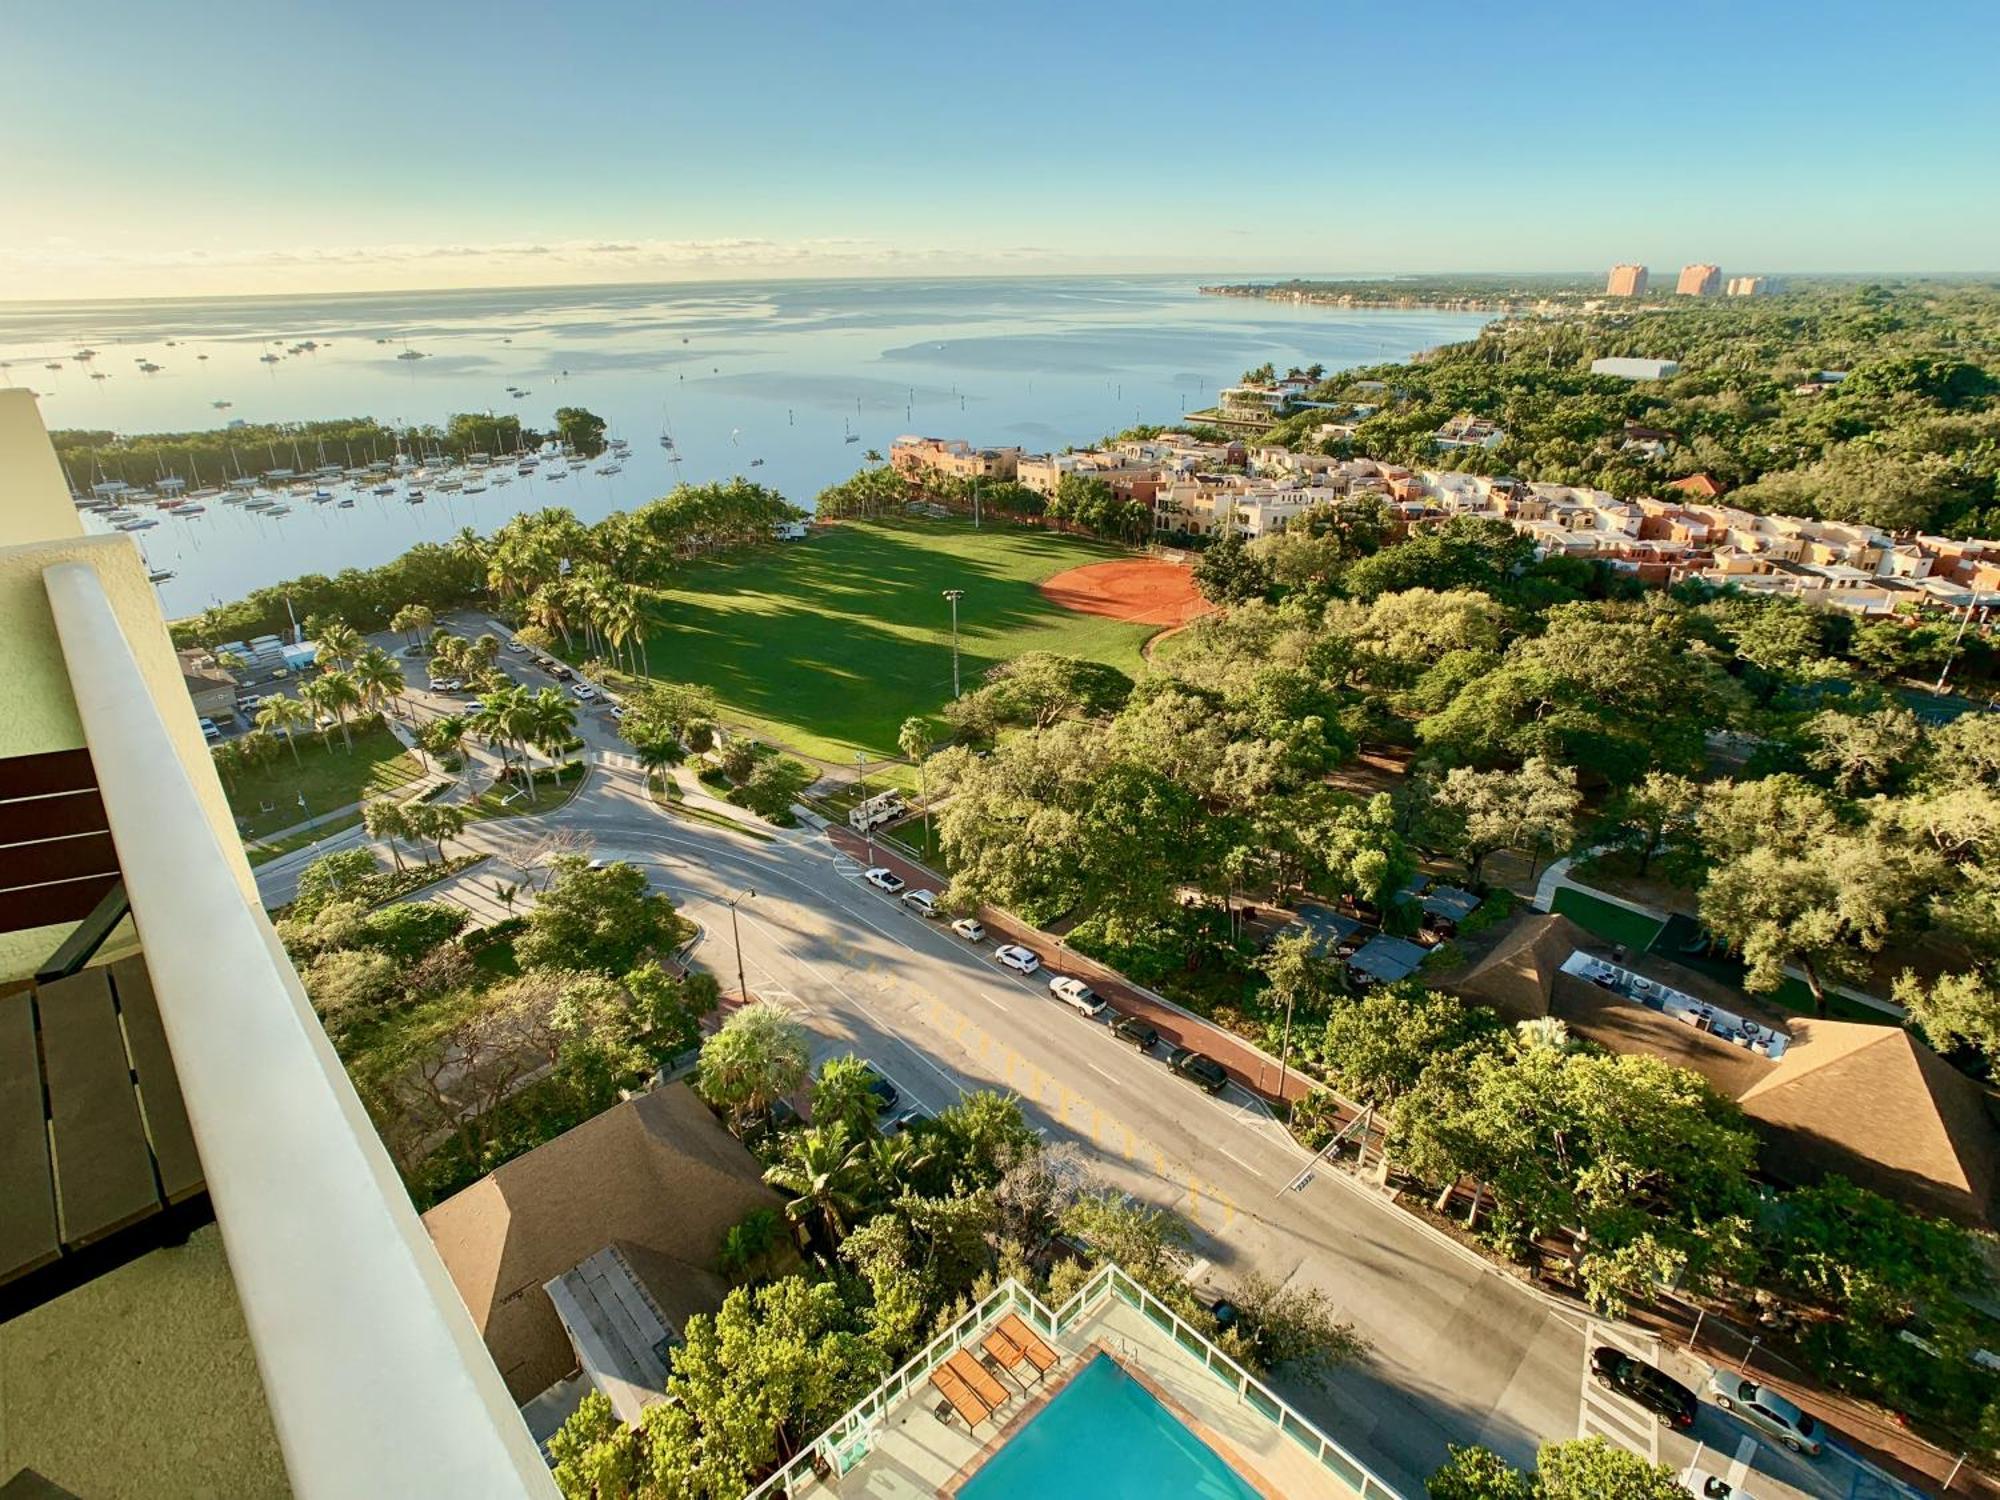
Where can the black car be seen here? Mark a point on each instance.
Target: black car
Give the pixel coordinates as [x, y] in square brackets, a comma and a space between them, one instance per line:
[1204, 1072]
[1139, 1032]
[1673, 1403]
[884, 1091]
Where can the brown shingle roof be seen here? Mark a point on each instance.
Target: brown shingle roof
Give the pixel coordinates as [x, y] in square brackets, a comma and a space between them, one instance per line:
[1877, 1105]
[657, 1175]
[1872, 1103]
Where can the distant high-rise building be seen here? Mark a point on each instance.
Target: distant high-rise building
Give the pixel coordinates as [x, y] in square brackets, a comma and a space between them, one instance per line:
[1699, 281]
[1626, 281]
[1750, 286]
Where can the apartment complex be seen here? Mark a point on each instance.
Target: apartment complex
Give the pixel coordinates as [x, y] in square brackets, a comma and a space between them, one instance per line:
[206, 1256]
[1699, 281]
[952, 458]
[1750, 286]
[1628, 368]
[1626, 281]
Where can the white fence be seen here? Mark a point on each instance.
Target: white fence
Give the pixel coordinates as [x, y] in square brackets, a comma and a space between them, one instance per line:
[844, 1443]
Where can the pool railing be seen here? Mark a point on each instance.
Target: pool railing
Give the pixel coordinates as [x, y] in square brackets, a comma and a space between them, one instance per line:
[832, 1448]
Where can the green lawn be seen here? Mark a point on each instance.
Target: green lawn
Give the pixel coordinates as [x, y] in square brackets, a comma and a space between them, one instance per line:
[1609, 921]
[330, 779]
[828, 645]
[553, 787]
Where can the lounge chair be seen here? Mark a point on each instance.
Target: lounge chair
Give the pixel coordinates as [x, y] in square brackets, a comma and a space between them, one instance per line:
[977, 1376]
[954, 1390]
[1039, 1354]
[1010, 1355]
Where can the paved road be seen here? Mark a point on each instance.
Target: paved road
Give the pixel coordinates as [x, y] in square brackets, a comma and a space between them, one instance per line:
[1459, 1353]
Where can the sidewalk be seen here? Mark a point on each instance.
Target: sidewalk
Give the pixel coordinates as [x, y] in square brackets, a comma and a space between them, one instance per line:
[1249, 1065]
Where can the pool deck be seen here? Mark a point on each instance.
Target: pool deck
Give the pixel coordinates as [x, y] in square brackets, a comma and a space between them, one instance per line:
[915, 1454]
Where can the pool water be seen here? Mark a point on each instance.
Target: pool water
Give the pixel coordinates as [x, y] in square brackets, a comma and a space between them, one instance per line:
[1104, 1436]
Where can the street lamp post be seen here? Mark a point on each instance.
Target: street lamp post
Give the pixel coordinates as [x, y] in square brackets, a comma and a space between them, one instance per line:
[736, 938]
[860, 787]
[1285, 1051]
[954, 595]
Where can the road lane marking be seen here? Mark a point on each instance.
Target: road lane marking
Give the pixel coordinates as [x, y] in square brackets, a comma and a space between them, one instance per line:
[1225, 1151]
[1739, 1467]
[1101, 1073]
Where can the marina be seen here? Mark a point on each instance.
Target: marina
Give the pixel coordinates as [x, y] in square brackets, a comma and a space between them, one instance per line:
[793, 385]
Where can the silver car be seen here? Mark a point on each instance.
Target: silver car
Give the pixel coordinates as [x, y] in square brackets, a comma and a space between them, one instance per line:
[1766, 1411]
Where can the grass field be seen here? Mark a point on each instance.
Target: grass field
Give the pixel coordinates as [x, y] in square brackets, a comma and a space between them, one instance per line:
[267, 798]
[828, 645]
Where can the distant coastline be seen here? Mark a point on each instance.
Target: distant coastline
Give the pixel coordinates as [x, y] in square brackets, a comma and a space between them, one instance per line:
[1455, 295]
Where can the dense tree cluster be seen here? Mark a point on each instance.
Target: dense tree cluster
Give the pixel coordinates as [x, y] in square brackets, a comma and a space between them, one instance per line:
[1907, 440]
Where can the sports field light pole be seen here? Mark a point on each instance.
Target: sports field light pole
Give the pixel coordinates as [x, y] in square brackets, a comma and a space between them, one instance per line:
[736, 937]
[954, 595]
[861, 800]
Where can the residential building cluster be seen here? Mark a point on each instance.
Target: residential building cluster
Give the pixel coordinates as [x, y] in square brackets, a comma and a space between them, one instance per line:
[1201, 489]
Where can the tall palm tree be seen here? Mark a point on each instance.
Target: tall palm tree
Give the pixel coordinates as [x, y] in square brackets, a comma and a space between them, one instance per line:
[822, 1169]
[438, 821]
[914, 740]
[551, 724]
[444, 735]
[287, 714]
[228, 760]
[389, 820]
[412, 620]
[339, 643]
[334, 693]
[657, 753]
[377, 678]
[842, 1095]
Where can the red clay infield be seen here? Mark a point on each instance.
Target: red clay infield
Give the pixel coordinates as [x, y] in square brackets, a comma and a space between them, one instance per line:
[1144, 590]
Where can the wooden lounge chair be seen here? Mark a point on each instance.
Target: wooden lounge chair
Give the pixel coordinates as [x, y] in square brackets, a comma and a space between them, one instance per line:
[977, 1376]
[1009, 1355]
[954, 1390]
[1039, 1354]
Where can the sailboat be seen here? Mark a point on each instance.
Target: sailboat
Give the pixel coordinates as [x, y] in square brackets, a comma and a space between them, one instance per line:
[666, 433]
[850, 435]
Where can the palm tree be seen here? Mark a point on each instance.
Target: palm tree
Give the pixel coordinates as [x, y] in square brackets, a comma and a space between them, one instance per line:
[339, 643]
[389, 820]
[377, 677]
[444, 735]
[842, 1095]
[229, 761]
[501, 718]
[746, 1243]
[412, 620]
[444, 820]
[336, 694]
[894, 1162]
[289, 715]
[914, 740]
[821, 1168]
[551, 724]
[658, 753]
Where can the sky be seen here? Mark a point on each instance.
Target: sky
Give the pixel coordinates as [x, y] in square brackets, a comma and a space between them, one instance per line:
[254, 146]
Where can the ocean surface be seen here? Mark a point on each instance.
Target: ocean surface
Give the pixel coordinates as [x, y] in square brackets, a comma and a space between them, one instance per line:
[784, 372]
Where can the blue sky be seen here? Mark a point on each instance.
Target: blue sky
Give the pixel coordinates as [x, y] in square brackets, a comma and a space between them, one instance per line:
[276, 145]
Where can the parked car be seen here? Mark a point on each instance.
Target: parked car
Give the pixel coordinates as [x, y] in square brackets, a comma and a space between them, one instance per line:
[517, 648]
[209, 729]
[1140, 1032]
[886, 1093]
[923, 903]
[561, 673]
[477, 705]
[446, 685]
[1204, 1072]
[1076, 994]
[1766, 1411]
[1662, 1395]
[1020, 960]
[969, 929]
[584, 692]
[884, 879]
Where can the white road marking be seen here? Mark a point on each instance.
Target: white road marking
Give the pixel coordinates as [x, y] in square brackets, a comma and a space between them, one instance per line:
[1101, 1073]
[1225, 1151]
[1739, 1466]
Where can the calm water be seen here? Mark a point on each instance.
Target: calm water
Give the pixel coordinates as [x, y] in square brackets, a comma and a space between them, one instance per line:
[1105, 1437]
[776, 371]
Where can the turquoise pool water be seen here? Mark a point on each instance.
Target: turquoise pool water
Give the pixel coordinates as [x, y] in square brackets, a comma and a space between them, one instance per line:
[1105, 1437]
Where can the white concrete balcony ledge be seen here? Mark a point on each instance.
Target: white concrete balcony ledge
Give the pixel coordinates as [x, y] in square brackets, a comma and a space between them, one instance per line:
[377, 1382]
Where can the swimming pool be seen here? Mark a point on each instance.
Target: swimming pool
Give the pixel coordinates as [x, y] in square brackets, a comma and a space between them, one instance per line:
[1104, 1436]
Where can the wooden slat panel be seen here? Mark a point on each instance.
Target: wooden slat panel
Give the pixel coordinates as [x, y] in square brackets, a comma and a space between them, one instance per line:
[28, 1221]
[43, 905]
[51, 817]
[40, 775]
[104, 1170]
[59, 859]
[159, 1087]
